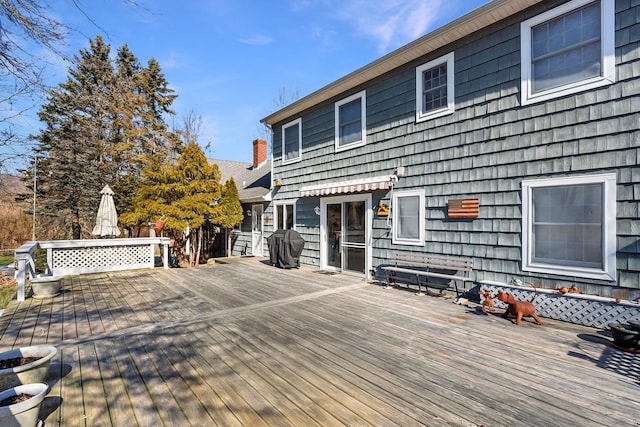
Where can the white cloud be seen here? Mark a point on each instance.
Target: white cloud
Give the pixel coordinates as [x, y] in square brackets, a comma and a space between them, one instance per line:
[391, 22]
[257, 40]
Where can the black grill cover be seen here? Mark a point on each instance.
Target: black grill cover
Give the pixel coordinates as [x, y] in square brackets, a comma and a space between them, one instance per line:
[285, 247]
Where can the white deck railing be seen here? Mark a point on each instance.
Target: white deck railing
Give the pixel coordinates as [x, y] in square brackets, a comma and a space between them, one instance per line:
[73, 257]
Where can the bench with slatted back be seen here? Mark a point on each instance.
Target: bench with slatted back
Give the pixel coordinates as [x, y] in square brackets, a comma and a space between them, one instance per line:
[417, 268]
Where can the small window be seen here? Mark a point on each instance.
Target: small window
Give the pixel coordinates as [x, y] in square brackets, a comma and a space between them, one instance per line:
[569, 226]
[292, 141]
[568, 49]
[351, 122]
[435, 88]
[285, 216]
[408, 217]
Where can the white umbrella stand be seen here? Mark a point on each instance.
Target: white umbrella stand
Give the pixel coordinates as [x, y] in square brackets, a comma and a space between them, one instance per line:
[107, 218]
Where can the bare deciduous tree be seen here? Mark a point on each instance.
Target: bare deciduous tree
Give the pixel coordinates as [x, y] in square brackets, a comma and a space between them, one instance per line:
[23, 24]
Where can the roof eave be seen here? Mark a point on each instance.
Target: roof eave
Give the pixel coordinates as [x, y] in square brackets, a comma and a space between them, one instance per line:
[473, 21]
[257, 199]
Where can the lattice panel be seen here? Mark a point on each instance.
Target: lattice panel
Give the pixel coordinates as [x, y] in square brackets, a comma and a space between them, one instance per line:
[572, 309]
[97, 258]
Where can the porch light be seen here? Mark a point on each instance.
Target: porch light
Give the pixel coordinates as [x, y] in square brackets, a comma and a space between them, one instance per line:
[248, 212]
[317, 210]
[277, 183]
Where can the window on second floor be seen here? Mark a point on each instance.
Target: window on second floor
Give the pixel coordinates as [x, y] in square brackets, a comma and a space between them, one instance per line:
[407, 208]
[351, 122]
[292, 141]
[435, 88]
[569, 226]
[285, 216]
[568, 49]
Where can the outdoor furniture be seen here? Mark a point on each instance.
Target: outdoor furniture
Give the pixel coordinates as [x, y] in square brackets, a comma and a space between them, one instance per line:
[418, 268]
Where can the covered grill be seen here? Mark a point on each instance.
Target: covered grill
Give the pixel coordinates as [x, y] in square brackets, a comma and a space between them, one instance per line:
[285, 247]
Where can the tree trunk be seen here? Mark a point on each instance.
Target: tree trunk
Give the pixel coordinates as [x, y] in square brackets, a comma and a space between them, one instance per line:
[76, 228]
[179, 247]
[199, 237]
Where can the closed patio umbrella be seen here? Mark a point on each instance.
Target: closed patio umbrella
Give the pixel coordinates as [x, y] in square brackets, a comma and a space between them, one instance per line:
[107, 218]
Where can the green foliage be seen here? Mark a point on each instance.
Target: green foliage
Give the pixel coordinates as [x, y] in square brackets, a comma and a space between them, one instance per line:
[101, 126]
[41, 261]
[187, 193]
[230, 210]
[230, 207]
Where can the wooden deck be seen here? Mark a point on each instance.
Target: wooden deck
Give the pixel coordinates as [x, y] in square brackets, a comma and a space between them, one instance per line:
[247, 344]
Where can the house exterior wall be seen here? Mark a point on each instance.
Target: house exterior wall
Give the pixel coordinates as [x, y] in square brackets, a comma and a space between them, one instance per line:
[241, 236]
[485, 149]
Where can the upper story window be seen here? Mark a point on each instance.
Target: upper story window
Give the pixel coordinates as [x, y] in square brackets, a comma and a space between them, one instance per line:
[568, 49]
[569, 226]
[351, 122]
[408, 217]
[434, 88]
[292, 141]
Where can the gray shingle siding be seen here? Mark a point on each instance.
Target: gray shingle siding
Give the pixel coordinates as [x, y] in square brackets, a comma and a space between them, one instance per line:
[485, 149]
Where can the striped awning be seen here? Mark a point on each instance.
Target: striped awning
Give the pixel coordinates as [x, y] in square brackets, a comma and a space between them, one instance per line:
[347, 187]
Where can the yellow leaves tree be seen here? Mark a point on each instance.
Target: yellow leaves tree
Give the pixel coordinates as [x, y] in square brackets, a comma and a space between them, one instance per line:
[187, 193]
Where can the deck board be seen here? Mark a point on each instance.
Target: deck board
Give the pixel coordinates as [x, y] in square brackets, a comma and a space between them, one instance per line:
[247, 344]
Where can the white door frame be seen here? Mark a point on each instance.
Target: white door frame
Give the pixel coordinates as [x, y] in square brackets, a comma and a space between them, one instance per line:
[257, 229]
[324, 238]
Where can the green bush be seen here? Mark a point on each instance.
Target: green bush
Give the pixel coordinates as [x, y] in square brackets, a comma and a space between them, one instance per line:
[41, 261]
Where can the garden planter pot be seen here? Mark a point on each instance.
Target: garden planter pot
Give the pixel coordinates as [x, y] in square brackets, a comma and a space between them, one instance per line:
[46, 286]
[33, 372]
[25, 413]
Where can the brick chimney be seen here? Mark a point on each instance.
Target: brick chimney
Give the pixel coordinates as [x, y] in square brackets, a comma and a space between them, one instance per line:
[259, 152]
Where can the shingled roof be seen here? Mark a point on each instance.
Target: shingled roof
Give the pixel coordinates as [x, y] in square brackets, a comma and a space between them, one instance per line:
[254, 184]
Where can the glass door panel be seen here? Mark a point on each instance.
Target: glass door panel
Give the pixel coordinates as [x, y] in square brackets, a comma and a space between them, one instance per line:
[334, 229]
[354, 236]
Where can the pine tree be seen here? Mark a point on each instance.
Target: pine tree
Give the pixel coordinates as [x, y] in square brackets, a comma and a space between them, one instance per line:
[230, 210]
[158, 100]
[75, 140]
[104, 125]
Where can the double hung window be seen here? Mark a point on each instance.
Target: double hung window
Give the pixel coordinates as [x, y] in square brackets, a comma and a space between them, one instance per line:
[434, 88]
[350, 115]
[568, 49]
[292, 141]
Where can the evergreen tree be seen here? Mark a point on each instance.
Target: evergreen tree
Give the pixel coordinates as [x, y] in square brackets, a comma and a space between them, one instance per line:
[158, 100]
[230, 210]
[187, 194]
[104, 125]
[75, 140]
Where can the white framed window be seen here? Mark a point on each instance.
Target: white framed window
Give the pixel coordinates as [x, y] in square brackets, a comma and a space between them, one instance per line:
[292, 141]
[435, 88]
[407, 208]
[351, 122]
[569, 226]
[285, 215]
[568, 49]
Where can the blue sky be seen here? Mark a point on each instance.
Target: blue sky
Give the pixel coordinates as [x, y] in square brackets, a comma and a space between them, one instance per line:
[229, 60]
